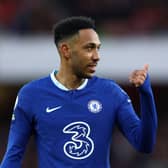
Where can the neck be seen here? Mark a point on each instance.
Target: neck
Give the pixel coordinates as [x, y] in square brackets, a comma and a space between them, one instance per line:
[70, 81]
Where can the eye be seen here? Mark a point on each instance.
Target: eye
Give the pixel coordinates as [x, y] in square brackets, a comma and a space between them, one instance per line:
[98, 48]
[89, 48]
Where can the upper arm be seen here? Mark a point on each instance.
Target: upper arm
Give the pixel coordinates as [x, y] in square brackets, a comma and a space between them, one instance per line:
[20, 131]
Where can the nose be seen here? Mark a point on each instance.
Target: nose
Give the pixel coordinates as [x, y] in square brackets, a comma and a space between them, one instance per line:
[96, 56]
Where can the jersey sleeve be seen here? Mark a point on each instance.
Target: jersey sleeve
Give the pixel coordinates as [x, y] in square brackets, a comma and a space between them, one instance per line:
[140, 131]
[20, 131]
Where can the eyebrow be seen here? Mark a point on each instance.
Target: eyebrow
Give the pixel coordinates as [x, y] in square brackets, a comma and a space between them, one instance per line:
[91, 44]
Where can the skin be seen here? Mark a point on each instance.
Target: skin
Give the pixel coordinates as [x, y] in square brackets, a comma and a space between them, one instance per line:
[137, 77]
[79, 57]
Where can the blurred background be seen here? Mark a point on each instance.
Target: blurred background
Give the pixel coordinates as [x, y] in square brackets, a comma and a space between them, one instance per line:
[132, 32]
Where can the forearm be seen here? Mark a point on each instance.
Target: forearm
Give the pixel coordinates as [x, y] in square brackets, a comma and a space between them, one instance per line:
[148, 118]
[15, 150]
[7, 163]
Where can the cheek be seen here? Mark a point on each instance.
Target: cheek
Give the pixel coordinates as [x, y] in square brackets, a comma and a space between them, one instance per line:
[80, 58]
[78, 63]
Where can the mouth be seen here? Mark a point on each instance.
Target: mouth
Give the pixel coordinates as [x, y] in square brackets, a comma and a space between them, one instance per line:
[92, 67]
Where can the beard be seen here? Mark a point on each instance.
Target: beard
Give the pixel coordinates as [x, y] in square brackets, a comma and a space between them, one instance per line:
[85, 74]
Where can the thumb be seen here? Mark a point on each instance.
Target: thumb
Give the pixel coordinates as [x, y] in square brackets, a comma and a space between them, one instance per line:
[146, 67]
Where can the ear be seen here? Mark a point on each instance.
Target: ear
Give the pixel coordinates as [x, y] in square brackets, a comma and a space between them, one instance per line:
[65, 50]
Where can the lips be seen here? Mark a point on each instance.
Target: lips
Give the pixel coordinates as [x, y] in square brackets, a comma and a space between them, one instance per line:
[92, 67]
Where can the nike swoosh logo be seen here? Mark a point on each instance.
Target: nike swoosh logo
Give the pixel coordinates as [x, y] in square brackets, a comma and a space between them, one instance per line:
[50, 110]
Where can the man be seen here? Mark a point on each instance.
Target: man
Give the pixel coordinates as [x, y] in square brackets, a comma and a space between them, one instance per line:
[72, 113]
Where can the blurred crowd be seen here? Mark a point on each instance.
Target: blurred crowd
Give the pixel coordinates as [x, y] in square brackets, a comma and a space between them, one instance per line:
[117, 17]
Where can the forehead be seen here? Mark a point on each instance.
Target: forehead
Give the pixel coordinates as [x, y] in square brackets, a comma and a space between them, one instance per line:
[88, 36]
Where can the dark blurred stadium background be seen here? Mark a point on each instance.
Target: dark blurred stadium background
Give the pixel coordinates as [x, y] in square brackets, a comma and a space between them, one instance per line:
[133, 32]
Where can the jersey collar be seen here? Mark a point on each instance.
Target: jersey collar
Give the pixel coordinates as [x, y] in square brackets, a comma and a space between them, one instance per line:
[62, 87]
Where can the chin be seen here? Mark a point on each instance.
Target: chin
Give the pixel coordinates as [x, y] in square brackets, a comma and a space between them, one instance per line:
[89, 75]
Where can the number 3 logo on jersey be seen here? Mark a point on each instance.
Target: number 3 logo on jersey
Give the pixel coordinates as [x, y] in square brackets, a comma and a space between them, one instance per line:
[80, 146]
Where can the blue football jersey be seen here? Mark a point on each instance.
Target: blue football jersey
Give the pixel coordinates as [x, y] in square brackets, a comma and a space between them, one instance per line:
[73, 128]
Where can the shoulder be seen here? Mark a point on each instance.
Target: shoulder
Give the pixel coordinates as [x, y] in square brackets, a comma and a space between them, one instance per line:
[108, 87]
[113, 90]
[35, 86]
[106, 83]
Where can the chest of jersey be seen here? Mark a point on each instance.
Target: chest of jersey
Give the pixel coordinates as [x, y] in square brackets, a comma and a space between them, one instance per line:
[75, 122]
